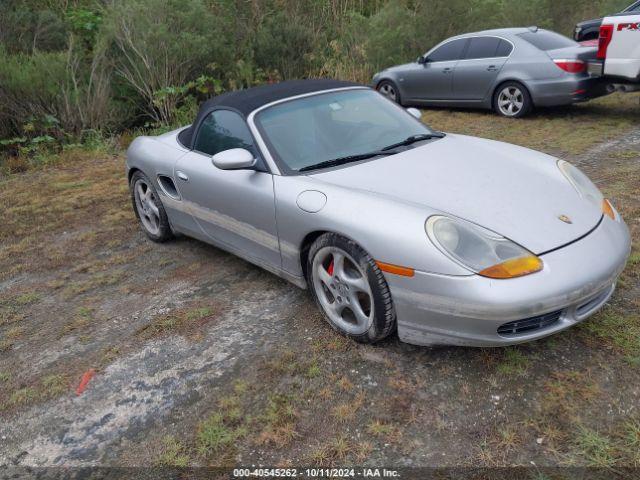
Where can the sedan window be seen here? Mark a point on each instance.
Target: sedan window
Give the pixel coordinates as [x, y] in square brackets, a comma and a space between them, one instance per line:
[449, 51]
[545, 40]
[222, 130]
[504, 49]
[482, 47]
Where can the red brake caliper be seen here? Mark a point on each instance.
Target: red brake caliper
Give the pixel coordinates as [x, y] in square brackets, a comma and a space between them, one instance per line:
[330, 268]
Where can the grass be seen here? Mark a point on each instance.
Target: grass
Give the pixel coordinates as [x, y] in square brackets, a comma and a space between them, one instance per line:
[54, 385]
[182, 321]
[173, 454]
[379, 428]
[514, 362]
[82, 318]
[215, 434]
[23, 396]
[336, 450]
[27, 298]
[550, 130]
[618, 329]
[48, 387]
[596, 449]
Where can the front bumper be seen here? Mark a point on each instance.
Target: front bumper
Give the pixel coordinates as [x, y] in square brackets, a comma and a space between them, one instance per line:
[575, 282]
[566, 90]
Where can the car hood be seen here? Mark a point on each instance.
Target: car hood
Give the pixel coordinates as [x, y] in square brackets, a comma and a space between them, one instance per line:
[514, 191]
[398, 68]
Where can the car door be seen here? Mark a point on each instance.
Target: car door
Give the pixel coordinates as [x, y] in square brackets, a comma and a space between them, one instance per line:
[433, 79]
[232, 208]
[476, 73]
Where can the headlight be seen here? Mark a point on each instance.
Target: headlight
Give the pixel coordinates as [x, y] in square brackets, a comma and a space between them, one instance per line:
[481, 251]
[585, 188]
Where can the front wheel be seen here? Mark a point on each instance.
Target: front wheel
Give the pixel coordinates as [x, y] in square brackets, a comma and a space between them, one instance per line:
[512, 100]
[149, 209]
[350, 289]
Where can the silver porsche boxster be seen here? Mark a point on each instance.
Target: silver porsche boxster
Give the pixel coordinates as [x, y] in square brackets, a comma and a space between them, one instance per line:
[447, 239]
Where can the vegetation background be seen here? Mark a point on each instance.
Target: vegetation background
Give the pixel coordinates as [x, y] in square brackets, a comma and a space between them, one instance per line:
[79, 71]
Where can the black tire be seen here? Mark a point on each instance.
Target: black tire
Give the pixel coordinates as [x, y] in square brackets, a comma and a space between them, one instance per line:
[385, 86]
[384, 316]
[527, 106]
[164, 232]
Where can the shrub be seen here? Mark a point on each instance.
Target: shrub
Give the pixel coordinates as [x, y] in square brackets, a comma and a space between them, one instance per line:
[156, 45]
[30, 88]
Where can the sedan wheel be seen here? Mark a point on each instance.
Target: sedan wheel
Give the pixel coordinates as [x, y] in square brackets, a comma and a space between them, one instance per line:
[512, 100]
[350, 289]
[389, 90]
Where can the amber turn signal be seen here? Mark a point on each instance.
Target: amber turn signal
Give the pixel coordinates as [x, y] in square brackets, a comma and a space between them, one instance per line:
[396, 269]
[607, 209]
[515, 267]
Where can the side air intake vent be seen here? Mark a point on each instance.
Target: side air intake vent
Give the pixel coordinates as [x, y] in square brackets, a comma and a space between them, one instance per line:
[168, 187]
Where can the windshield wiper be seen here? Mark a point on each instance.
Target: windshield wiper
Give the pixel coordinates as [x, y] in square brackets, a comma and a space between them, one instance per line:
[414, 139]
[349, 158]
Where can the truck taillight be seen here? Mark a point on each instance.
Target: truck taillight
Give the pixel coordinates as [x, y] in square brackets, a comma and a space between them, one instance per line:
[606, 34]
[571, 66]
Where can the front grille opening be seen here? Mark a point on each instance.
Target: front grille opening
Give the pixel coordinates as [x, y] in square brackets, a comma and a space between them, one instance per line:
[519, 327]
[592, 304]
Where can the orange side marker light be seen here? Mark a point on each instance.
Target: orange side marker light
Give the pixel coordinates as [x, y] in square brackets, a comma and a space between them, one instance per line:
[396, 269]
[607, 209]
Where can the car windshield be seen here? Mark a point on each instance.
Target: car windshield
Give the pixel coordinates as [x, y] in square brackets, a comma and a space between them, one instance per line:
[546, 41]
[305, 132]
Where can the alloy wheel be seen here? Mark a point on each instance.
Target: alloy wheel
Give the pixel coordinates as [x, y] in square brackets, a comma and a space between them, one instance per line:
[388, 91]
[146, 206]
[511, 101]
[343, 290]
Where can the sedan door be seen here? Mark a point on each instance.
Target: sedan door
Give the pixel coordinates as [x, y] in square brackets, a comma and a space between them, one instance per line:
[433, 79]
[232, 208]
[476, 73]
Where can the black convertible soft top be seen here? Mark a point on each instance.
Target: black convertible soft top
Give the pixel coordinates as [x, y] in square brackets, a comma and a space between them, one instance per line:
[246, 101]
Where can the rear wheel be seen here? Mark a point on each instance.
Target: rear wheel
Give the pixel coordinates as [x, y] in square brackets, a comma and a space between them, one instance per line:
[350, 289]
[512, 100]
[389, 90]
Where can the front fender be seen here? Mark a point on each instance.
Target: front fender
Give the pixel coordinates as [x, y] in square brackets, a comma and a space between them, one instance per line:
[391, 231]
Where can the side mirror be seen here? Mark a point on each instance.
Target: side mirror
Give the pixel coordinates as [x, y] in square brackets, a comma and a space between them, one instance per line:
[422, 59]
[414, 112]
[234, 159]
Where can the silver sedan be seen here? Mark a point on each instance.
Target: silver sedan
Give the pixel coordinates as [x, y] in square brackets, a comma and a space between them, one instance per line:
[510, 70]
[393, 226]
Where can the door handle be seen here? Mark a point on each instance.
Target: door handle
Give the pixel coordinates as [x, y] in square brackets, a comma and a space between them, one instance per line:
[492, 68]
[447, 70]
[182, 176]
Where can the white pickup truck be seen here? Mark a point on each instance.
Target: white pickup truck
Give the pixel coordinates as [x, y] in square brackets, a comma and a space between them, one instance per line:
[619, 50]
